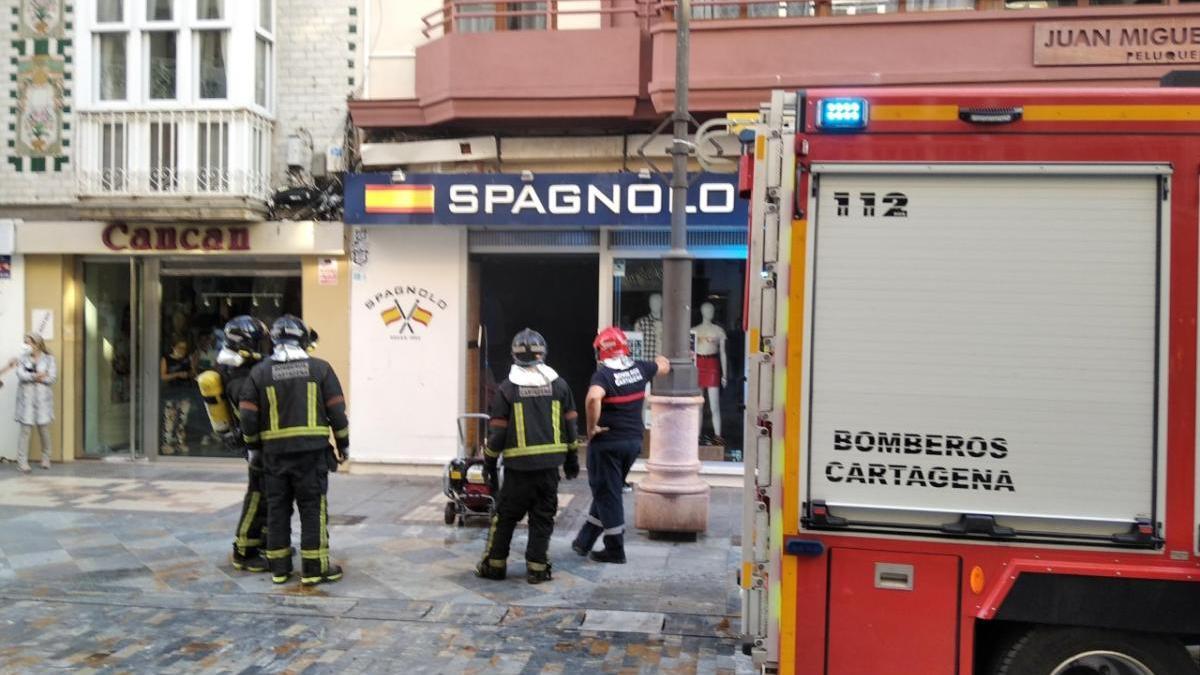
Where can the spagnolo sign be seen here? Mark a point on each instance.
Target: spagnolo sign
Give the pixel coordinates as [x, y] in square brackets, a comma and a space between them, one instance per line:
[571, 199]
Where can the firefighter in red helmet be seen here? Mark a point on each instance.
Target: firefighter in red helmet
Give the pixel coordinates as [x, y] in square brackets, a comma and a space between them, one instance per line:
[614, 430]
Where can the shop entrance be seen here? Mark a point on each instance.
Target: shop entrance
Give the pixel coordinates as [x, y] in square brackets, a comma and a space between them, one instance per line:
[556, 295]
[195, 303]
[111, 406]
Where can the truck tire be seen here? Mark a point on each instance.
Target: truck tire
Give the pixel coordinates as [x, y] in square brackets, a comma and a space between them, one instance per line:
[1049, 650]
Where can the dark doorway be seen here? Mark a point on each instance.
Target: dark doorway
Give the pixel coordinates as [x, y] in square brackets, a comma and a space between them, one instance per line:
[555, 295]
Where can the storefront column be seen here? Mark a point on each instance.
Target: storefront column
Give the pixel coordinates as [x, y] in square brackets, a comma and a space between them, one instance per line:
[50, 285]
[325, 292]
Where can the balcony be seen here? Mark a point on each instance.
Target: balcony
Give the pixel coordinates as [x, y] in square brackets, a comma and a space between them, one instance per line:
[599, 64]
[174, 164]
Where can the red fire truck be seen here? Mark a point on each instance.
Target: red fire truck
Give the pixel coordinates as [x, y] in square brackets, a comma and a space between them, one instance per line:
[971, 407]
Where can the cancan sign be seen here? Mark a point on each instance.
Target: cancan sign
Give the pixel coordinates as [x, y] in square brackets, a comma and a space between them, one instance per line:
[122, 237]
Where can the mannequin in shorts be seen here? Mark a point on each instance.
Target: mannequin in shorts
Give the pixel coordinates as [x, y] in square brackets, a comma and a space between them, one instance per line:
[711, 363]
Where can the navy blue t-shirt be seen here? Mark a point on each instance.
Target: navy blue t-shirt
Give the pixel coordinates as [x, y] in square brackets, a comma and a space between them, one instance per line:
[624, 391]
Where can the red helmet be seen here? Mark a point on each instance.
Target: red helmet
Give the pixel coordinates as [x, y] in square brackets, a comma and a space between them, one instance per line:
[610, 343]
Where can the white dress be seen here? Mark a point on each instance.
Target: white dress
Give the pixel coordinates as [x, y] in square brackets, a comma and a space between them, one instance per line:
[35, 400]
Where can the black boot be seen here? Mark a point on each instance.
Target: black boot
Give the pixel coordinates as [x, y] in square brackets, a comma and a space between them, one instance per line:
[536, 573]
[614, 550]
[280, 562]
[251, 561]
[311, 574]
[496, 570]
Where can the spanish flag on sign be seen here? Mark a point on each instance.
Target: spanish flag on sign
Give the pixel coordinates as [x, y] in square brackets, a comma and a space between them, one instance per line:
[399, 198]
[391, 315]
[422, 315]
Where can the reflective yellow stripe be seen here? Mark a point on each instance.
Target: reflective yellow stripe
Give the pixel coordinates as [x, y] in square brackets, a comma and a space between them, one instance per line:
[324, 534]
[548, 449]
[342, 433]
[250, 439]
[294, 432]
[519, 414]
[556, 414]
[244, 529]
[312, 404]
[490, 452]
[279, 553]
[273, 408]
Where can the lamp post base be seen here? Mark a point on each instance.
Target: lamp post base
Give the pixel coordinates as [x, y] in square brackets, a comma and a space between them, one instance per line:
[673, 498]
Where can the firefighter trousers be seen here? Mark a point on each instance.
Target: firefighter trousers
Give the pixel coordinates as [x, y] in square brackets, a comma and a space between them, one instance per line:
[524, 492]
[302, 478]
[251, 531]
[608, 465]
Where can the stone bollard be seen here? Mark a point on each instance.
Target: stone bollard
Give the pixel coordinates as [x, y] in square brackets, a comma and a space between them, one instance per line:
[673, 498]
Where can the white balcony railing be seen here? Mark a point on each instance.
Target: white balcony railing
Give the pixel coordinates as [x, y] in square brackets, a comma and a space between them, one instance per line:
[219, 153]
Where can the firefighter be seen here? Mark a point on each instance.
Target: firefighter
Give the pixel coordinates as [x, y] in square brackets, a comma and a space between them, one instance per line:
[614, 431]
[533, 427]
[221, 389]
[290, 405]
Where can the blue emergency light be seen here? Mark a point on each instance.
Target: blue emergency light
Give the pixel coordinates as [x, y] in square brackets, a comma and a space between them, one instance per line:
[842, 113]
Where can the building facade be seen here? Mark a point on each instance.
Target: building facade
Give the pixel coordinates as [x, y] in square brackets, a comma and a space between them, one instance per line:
[168, 166]
[471, 112]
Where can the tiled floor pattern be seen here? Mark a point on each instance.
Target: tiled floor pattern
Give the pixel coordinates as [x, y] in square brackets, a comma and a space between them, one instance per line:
[124, 568]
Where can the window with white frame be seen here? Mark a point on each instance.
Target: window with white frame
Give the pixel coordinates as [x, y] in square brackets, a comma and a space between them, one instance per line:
[165, 113]
[264, 44]
[162, 51]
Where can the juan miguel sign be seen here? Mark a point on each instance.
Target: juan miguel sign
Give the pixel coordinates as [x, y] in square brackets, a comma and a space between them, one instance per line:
[168, 238]
[554, 199]
[1117, 41]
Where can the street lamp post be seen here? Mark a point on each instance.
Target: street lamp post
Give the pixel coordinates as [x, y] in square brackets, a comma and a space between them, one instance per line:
[673, 498]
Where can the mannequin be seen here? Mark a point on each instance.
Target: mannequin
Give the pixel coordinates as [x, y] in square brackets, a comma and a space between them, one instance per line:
[711, 363]
[651, 327]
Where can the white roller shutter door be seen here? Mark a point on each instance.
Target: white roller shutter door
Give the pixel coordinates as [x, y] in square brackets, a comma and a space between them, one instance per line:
[986, 343]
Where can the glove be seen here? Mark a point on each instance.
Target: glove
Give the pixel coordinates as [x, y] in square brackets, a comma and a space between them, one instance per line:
[342, 454]
[490, 477]
[571, 466]
[254, 457]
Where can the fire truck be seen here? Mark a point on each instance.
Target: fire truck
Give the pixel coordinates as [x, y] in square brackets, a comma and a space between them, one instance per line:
[971, 399]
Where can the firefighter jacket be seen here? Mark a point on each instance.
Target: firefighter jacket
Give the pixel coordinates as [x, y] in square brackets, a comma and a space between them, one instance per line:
[292, 402]
[233, 378]
[533, 421]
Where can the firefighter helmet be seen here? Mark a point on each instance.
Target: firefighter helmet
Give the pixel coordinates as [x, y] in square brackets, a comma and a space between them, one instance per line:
[290, 330]
[245, 335]
[611, 343]
[529, 348]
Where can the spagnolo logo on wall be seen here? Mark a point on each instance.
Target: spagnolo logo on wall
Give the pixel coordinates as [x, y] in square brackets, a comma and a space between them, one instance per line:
[407, 312]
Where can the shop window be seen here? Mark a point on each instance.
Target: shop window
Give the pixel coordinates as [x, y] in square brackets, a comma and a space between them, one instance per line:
[262, 71]
[858, 7]
[213, 155]
[196, 304]
[716, 321]
[111, 54]
[164, 150]
[160, 10]
[210, 10]
[211, 46]
[265, 21]
[485, 17]
[110, 11]
[113, 173]
[938, 5]
[161, 47]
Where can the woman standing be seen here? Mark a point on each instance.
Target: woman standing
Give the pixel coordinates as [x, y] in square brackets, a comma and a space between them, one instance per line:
[177, 372]
[36, 374]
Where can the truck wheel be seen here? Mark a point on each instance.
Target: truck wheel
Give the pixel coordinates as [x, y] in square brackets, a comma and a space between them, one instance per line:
[1089, 651]
[450, 513]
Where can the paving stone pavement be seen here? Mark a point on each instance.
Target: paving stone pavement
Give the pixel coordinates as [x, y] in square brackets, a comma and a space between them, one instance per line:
[117, 567]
